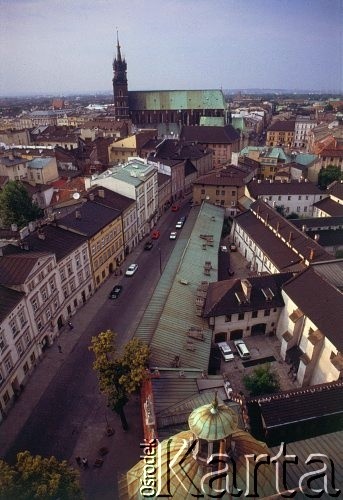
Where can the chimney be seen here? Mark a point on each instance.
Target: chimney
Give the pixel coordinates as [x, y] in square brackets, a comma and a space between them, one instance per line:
[316, 237]
[303, 228]
[77, 214]
[14, 228]
[246, 287]
[91, 196]
[290, 237]
[277, 227]
[311, 254]
[41, 235]
[101, 193]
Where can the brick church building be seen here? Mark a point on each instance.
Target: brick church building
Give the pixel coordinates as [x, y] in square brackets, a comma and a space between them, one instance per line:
[166, 110]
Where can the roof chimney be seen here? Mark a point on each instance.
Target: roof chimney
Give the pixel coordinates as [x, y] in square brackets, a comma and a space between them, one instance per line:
[246, 287]
[101, 193]
[311, 254]
[91, 196]
[316, 237]
[290, 236]
[78, 214]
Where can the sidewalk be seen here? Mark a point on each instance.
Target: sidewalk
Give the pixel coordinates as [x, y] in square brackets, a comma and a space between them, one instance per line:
[52, 360]
[122, 448]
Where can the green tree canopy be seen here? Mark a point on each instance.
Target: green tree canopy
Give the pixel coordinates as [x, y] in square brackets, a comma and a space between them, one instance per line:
[16, 206]
[119, 375]
[263, 380]
[36, 477]
[328, 175]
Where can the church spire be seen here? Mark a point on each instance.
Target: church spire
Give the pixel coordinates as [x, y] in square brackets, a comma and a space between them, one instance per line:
[118, 49]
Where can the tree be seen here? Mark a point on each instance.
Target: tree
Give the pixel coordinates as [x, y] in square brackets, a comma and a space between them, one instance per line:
[119, 376]
[328, 175]
[263, 380]
[16, 206]
[36, 477]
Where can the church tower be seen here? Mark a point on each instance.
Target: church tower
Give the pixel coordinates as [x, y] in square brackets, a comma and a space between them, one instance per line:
[120, 92]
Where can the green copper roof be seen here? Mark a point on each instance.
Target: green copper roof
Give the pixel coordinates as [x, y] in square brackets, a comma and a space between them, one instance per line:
[156, 100]
[212, 121]
[213, 422]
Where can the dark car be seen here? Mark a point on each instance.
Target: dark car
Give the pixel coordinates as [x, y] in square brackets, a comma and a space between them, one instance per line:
[115, 292]
[148, 245]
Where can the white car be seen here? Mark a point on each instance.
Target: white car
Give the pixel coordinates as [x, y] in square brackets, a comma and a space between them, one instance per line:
[223, 248]
[173, 235]
[131, 270]
[179, 224]
[242, 349]
[226, 351]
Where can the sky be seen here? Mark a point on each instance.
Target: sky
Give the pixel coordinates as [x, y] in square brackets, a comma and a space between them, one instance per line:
[67, 46]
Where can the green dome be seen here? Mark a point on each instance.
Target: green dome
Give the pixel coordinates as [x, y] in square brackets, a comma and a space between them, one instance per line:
[213, 422]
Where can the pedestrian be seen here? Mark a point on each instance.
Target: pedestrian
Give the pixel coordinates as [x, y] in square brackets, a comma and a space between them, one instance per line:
[85, 463]
[78, 460]
[59, 348]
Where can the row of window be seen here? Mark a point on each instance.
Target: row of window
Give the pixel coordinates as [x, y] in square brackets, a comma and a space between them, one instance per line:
[241, 316]
[104, 241]
[40, 276]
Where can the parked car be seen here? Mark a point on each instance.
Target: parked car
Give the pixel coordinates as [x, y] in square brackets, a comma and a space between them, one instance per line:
[155, 234]
[242, 349]
[148, 245]
[223, 248]
[179, 224]
[115, 292]
[173, 235]
[175, 207]
[233, 248]
[225, 349]
[131, 270]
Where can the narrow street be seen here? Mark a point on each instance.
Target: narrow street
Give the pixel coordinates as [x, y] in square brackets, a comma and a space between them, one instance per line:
[68, 417]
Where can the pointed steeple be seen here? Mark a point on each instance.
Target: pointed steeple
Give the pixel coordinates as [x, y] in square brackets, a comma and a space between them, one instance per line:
[118, 49]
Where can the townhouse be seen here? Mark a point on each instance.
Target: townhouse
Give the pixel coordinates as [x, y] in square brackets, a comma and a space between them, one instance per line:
[302, 128]
[238, 308]
[73, 264]
[19, 351]
[104, 231]
[13, 166]
[42, 170]
[289, 196]
[281, 133]
[127, 208]
[136, 180]
[221, 187]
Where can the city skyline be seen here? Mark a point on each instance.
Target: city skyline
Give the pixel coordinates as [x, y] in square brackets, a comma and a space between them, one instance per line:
[60, 47]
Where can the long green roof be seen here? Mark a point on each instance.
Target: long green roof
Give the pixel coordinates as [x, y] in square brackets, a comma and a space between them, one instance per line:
[156, 100]
[176, 312]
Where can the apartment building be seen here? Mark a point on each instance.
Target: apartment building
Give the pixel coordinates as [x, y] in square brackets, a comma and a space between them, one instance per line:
[73, 264]
[127, 208]
[103, 229]
[19, 351]
[136, 180]
[271, 244]
[291, 196]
